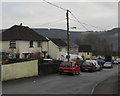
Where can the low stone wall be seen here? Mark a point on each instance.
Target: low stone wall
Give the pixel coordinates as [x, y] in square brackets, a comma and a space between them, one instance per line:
[19, 70]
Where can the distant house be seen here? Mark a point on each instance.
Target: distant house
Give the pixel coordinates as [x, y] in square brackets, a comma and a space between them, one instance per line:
[23, 41]
[85, 51]
[56, 47]
[73, 47]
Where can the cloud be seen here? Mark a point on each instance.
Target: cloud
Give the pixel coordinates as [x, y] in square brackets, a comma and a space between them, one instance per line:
[37, 13]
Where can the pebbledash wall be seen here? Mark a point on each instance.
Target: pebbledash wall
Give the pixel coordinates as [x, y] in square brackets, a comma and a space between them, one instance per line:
[23, 47]
[19, 70]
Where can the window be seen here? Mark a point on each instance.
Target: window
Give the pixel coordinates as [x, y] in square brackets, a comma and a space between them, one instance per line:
[31, 43]
[39, 44]
[12, 44]
[60, 49]
[88, 53]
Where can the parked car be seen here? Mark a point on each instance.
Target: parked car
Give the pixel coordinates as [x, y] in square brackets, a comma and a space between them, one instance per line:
[118, 59]
[108, 65]
[69, 67]
[97, 66]
[115, 62]
[88, 66]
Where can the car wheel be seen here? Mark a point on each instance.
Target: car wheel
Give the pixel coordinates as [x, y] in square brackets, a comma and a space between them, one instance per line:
[60, 73]
[74, 72]
[79, 73]
[95, 69]
[92, 70]
[82, 70]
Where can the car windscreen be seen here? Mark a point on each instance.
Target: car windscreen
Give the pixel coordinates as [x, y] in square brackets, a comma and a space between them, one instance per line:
[66, 64]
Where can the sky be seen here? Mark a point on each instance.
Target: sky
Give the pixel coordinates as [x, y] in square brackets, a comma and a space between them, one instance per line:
[39, 14]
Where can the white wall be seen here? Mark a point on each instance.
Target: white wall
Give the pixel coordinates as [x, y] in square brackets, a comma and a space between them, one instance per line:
[54, 50]
[20, 70]
[5, 47]
[74, 50]
[85, 54]
[23, 47]
[44, 46]
[0, 46]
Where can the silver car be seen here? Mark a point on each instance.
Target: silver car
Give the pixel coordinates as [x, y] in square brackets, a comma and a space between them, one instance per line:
[108, 65]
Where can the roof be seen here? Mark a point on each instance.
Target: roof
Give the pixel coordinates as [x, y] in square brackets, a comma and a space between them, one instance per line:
[21, 33]
[85, 48]
[59, 42]
[72, 44]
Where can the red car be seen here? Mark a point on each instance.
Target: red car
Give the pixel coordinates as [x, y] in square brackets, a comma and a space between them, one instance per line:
[69, 67]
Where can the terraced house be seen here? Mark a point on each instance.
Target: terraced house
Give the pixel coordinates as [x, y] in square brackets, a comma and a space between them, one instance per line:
[85, 51]
[24, 42]
[56, 48]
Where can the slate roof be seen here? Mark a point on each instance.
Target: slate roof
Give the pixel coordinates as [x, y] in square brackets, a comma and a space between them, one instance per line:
[58, 42]
[85, 48]
[72, 44]
[21, 33]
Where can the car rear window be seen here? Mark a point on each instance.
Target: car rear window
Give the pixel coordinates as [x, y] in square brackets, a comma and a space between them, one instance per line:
[87, 63]
[108, 63]
[66, 64]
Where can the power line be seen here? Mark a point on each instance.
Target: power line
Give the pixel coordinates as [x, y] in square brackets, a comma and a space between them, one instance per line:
[88, 24]
[78, 21]
[66, 10]
[83, 24]
[55, 5]
[91, 25]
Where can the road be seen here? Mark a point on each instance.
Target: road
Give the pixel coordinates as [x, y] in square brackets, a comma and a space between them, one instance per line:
[58, 84]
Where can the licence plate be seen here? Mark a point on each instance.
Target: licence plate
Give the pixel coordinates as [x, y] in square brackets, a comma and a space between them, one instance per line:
[86, 69]
[65, 71]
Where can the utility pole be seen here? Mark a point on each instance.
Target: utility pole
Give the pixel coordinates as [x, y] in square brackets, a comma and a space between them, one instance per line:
[68, 37]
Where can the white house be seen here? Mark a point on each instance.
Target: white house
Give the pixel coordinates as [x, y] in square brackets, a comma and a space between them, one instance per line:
[73, 47]
[56, 47]
[85, 51]
[23, 41]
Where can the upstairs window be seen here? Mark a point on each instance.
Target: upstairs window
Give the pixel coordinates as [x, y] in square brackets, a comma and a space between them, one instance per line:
[31, 44]
[60, 49]
[39, 44]
[12, 44]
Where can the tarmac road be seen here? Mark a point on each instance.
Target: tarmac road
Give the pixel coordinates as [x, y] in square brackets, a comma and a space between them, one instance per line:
[59, 84]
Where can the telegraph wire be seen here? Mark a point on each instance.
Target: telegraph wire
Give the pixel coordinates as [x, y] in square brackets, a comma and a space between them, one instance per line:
[88, 24]
[55, 5]
[78, 21]
[83, 24]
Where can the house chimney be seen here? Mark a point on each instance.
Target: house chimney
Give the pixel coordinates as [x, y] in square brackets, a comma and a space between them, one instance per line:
[20, 24]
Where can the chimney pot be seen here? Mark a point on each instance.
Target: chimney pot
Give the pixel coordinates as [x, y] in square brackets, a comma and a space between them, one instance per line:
[20, 24]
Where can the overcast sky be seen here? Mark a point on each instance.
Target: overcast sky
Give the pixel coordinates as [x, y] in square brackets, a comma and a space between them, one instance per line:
[44, 15]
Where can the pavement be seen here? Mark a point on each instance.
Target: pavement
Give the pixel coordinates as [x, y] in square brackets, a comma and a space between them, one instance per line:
[108, 86]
